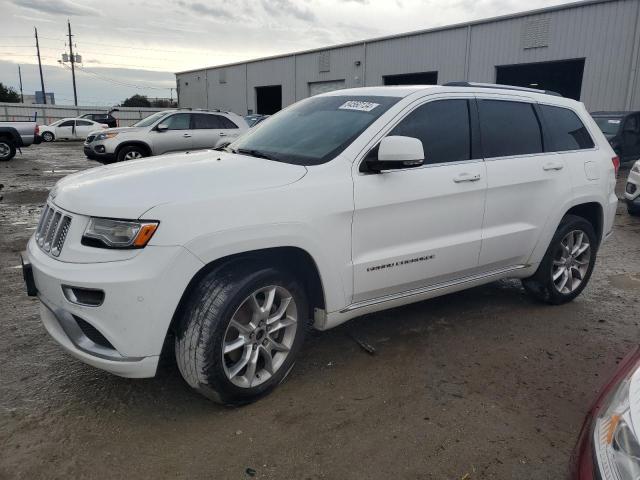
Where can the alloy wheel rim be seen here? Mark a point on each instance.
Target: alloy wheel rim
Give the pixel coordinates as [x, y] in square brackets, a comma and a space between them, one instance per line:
[571, 262]
[259, 336]
[4, 150]
[48, 136]
[132, 155]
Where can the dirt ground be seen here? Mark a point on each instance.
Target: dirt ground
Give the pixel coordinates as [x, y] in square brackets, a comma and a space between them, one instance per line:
[480, 384]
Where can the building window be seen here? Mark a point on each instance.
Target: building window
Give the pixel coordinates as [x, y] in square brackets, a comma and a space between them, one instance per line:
[324, 62]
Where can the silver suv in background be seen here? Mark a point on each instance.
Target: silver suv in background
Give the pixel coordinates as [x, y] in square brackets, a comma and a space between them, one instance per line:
[163, 132]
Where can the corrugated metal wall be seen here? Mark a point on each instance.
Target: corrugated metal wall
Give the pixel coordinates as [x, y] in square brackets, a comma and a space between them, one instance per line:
[47, 114]
[605, 34]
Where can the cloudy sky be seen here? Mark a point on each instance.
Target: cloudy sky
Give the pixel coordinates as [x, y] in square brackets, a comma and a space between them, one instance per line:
[132, 47]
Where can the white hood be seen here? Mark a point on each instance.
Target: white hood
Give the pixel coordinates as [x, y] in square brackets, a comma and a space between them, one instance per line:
[127, 190]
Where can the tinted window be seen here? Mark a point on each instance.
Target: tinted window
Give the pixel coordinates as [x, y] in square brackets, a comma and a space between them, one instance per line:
[179, 121]
[509, 128]
[68, 123]
[443, 128]
[83, 123]
[226, 123]
[567, 131]
[202, 121]
[609, 125]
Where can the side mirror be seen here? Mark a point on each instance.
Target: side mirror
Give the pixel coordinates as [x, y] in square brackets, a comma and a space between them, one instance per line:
[396, 152]
[162, 127]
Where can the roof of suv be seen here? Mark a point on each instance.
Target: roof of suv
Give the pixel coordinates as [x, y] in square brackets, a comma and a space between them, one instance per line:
[405, 90]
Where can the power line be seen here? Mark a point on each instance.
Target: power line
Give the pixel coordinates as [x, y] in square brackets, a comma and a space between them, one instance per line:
[119, 82]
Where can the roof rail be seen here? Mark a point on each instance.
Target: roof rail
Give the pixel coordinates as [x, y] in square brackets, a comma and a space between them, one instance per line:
[500, 87]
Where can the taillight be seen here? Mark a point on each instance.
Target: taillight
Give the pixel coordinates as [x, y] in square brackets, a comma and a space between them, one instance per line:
[37, 130]
[616, 164]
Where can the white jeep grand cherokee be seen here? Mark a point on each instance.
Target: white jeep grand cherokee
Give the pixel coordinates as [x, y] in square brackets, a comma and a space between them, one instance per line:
[340, 205]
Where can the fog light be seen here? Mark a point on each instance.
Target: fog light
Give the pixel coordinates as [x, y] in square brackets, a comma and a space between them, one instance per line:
[100, 149]
[88, 297]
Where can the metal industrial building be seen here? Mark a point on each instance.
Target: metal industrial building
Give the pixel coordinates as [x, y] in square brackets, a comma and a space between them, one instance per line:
[586, 50]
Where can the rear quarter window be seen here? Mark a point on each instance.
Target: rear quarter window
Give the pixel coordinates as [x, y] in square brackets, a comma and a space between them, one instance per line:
[566, 129]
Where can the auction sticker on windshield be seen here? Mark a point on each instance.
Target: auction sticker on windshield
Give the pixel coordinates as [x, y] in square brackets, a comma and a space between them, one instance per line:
[357, 105]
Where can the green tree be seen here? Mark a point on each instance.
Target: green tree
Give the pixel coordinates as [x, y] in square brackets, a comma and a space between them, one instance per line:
[136, 101]
[8, 94]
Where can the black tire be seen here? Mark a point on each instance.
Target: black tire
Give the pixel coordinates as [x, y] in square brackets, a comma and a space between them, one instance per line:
[541, 286]
[127, 151]
[7, 150]
[633, 210]
[48, 137]
[209, 310]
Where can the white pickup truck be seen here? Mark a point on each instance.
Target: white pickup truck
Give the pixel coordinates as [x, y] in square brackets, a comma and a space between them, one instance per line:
[343, 204]
[16, 135]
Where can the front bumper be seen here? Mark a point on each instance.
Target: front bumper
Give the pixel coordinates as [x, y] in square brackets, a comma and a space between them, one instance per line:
[101, 154]
[140, 297]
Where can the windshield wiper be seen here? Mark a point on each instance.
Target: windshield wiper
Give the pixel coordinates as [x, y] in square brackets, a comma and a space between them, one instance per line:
[255, 153]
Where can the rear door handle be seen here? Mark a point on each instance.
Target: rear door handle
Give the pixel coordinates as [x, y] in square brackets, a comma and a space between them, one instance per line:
[466, 177]
[186, 135]
[552, 166]
[222, 134]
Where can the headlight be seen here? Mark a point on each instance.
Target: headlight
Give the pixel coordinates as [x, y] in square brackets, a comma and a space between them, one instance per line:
[109, 233]
[615, 438]
[104, 136]
[636, 167]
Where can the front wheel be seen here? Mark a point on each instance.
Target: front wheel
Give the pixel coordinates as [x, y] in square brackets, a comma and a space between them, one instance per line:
[48, 137]
[130, 153]
[7, 150]
[240, 333]
[568, 263]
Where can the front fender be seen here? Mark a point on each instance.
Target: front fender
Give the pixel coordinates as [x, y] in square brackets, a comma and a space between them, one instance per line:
[215, 246]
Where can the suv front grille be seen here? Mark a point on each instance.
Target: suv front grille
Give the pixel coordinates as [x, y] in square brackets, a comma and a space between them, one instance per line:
[52, 230]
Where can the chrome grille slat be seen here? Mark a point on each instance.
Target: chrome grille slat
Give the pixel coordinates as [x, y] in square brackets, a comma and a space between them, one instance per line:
[52, 230]
[45, 227]
[61, 235]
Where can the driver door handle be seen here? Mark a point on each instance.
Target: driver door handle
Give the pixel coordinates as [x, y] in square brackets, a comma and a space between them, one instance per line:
[186, 135]
[222, 134]
[553, 166]
[466, 177]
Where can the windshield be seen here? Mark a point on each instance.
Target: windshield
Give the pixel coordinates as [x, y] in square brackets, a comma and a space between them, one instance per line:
[314, 130]
[150, 120]
[608, 125]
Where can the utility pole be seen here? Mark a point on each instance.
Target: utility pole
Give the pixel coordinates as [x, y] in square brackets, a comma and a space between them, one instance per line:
[44, 92]
[20, 78]
[73, 62]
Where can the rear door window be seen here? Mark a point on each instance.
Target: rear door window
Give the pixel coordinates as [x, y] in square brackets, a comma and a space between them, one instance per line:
[226, 123]
[443, 127]
[68, 123]
[509, 128]
[566, 129]
[205, 121]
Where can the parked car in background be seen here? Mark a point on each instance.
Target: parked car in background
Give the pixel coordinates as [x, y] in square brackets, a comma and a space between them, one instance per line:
[343, 204]
[622, 129]
[106, 118]
[254, 119]
[608, 446]
[632, 190]
[163, 132]
[15, 135]
[70, 129]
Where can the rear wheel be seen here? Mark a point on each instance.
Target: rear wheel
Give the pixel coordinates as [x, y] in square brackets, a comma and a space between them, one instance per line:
[7, 150]
[131, 153]
[241, 332]
[48, 137]
[568, 263]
